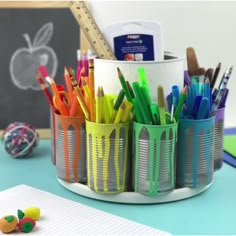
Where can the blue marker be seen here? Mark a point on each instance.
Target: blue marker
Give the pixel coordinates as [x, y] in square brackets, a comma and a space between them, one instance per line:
[203, 110]
[196, 105]
[175, 95]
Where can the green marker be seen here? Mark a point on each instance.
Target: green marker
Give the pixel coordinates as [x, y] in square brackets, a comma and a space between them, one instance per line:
[144, 84]
[181, 103]
[143, 107]
[161, 105]
[155, 114]
[137, 114]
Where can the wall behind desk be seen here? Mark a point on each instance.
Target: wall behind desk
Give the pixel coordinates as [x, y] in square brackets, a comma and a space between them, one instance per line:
[208, 26]
[21, 98]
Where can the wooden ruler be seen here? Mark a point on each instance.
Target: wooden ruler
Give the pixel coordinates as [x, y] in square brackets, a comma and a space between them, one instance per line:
[91, 30]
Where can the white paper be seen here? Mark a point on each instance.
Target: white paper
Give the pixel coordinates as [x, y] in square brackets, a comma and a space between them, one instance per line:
[60, 216]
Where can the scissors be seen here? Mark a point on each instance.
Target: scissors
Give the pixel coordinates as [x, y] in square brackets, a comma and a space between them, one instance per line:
[63, 99]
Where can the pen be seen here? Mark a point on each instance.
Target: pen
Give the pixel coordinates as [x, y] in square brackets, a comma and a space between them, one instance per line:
[224, 98]
[215, 75]
[225, 78]
[216, 102]
[207, 92]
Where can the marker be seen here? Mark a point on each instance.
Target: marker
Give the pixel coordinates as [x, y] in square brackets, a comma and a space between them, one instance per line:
[175, 95]
[196, 105]
[144, 84]
[203, 109]
[161, 104]
[142, 105]
[181, 103]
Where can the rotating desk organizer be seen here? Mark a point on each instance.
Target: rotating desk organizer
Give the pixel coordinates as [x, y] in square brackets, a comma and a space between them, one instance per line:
[117, 155]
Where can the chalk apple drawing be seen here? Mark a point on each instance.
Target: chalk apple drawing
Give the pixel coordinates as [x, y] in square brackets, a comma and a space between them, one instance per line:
[25, 61]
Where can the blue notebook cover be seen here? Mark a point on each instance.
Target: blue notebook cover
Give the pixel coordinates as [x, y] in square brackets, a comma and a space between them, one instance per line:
[229, 160]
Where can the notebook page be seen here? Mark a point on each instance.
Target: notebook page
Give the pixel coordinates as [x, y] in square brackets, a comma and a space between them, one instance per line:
[60, 216]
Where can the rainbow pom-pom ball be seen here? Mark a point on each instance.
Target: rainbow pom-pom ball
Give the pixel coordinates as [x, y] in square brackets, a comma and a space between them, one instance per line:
[20, 139]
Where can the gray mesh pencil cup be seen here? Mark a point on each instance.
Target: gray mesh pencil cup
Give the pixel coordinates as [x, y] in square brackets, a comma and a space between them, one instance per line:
[70, 148]
[219, 138]
[195, 164]
[107, 156]
[53, 138]
[154, 148]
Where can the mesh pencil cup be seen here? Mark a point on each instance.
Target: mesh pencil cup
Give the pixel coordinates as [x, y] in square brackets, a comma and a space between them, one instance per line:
[219, 138]
[71, 148]
[107, 156]
[53, 137]
[195, 164]
[154, 148]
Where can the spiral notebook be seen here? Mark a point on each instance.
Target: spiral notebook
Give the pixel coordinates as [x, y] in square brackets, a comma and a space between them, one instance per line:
[60, 216]
[229, 145]
[229, 148]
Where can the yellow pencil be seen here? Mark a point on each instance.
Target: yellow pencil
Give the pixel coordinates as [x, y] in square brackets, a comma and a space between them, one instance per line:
[86, 89]
[127, 111]
[80, 98]
[119, 113]
[99, 105]
[91, 88]
[68, 85]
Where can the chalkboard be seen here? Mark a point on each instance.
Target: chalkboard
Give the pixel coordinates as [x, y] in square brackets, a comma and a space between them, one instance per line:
[54, 37]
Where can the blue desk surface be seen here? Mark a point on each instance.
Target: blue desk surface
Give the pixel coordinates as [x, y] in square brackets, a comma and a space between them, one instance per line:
[211, 212]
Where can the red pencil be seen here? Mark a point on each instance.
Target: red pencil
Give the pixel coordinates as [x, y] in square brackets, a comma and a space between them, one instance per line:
[45, 90]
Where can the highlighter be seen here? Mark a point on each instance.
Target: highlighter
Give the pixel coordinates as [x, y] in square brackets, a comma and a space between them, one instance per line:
[161, 104]
[142, 105]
